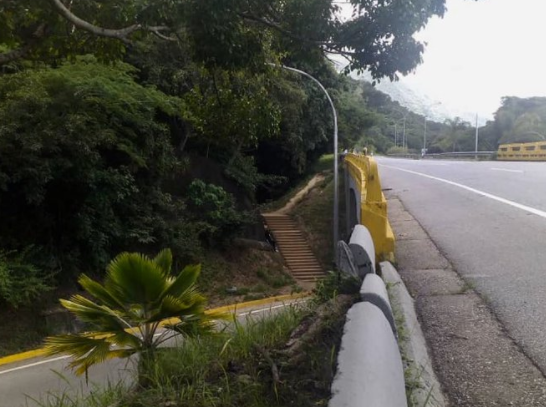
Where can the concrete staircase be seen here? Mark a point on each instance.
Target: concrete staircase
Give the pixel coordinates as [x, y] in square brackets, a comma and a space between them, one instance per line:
[294, 248]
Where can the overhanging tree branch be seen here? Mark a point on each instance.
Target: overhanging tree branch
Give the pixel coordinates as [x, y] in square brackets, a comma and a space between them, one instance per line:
[120, 34]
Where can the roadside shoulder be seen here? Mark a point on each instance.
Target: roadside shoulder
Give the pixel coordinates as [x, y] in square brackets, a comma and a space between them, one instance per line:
[477, 363]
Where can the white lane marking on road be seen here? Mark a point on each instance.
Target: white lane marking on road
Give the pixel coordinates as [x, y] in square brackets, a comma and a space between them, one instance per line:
[525, 208]
[257, 311]
[504, 169]
[42, 362]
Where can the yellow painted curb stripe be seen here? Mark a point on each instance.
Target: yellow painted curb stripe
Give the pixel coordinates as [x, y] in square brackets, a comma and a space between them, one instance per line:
[22, 356]
[18, 357]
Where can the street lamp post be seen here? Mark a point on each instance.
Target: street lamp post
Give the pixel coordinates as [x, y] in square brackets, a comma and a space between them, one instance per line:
[336, 192]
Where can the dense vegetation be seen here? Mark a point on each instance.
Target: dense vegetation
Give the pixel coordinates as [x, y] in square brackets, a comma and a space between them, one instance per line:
[517, 120]
[144, 124]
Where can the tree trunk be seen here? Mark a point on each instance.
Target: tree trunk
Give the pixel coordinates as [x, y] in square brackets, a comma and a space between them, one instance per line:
[146, 368]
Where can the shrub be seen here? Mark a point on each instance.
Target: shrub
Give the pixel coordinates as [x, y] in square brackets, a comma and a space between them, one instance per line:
[20, 281]
[216, 207]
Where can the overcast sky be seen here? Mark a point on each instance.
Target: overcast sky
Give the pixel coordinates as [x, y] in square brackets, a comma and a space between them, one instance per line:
[483, 50]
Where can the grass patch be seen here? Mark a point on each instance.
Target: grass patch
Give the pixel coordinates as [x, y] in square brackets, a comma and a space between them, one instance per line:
[244, 274]
[324, 164]
[315, 218]
[412, 372]
[98, 397]
[249, 367]
[283, 359]
[287, 359]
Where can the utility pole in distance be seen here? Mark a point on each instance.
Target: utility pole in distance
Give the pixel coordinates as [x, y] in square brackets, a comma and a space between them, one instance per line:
[477, 136]
[425, 136]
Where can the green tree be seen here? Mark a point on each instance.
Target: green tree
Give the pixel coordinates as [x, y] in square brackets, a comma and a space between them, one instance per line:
[454, 135]
[128, 309]
[85, 156]
[230, 33]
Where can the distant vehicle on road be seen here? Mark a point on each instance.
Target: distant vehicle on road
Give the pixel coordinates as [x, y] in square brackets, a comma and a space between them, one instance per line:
[535, 151]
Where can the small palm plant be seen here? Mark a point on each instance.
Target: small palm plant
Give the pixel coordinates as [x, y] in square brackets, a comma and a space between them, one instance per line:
[137, 295]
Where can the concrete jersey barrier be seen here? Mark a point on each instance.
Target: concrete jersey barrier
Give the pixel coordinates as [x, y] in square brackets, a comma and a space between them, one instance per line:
[370, 371]
[372, 205]
[374, 291]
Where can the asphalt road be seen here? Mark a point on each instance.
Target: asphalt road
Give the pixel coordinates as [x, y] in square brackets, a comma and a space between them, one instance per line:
[489, 220]
[42, 378]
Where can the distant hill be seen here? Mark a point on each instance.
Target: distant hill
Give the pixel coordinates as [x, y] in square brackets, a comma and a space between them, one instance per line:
[420, 103]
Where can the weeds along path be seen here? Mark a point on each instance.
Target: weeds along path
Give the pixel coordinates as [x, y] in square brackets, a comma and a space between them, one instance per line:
[291, 242]
[286, 209]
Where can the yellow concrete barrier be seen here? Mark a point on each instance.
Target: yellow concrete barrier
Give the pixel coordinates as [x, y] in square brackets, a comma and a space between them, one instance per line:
[522, 151]
[373, 207]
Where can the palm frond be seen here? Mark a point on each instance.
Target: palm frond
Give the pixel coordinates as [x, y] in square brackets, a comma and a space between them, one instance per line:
[99, 315]
[184, 281]
[124, 338]
[86, 350]
[194, 325]
[165, 261]
[135, 278]
[173, 307]
[75, 345]
[98, 291]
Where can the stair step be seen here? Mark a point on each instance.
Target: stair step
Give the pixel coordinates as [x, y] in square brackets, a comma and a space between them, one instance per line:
[295, 246]
[307, 259]
[306, 269]
[298, 275]
[293, 266]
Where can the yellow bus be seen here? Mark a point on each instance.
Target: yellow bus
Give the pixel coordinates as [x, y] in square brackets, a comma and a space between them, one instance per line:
[535, 151]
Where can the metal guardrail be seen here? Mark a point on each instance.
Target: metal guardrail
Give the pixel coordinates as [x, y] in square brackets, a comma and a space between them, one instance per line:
[469, 154]
[373, 205]
[454, 154]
